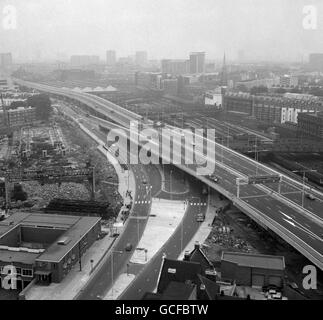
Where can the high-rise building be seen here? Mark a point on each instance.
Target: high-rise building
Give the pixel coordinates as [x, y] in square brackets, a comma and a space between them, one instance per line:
[176, 67]
[5, 61]
[141, 58]
[288, 81]
[197, 62]
[316, 61]
[111, 58]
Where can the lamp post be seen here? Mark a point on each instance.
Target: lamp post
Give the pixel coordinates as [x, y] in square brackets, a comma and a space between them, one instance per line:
[128, 265]
[304, 179]
[171, 191]
[112, 264]
[222, 150]
[146, 256]
[256, 155]
[80, 254]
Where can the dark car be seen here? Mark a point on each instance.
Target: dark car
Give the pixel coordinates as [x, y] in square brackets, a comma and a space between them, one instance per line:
[128, 247]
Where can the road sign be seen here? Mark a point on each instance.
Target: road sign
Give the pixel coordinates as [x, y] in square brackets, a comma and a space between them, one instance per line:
[263, 179]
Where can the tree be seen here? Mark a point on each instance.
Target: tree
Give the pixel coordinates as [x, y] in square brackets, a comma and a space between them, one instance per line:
[42, 104]
[17, 104]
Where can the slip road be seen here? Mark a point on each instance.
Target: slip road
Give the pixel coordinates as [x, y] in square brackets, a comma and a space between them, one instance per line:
[173, 309]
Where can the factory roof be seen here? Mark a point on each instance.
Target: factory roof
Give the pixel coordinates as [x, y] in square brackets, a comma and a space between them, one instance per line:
[255, 260]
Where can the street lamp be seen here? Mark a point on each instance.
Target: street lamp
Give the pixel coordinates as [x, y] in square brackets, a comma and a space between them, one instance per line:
[304, 179]
[146, 257]
[256, 155]
[171, 191]
[222, 149]
[128, 265]
[91, 261]
[112, 264]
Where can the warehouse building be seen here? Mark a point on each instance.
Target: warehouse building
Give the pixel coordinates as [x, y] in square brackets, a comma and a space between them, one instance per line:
[269, 108]
[44, 246]
[310, 125]
[253, 270]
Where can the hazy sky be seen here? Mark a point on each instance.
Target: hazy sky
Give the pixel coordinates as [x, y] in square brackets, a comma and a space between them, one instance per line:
[263, 29]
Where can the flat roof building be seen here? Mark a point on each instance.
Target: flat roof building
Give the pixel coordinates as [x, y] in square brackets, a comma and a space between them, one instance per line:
[197, 62]
[45, 245]
[255, 270]
[310, 124]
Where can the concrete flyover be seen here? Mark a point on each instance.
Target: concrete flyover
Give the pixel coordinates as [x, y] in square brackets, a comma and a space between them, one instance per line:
[281, 211]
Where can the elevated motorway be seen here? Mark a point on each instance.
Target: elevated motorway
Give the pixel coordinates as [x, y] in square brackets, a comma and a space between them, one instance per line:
[99, 105]
[278, 208]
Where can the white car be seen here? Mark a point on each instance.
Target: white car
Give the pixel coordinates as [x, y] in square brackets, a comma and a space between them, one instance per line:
[310, 196]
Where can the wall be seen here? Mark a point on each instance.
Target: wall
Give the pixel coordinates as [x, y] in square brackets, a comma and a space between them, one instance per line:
[40, 235]
[11, 239]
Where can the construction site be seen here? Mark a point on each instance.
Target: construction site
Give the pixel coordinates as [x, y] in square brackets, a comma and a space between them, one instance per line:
[53, 167]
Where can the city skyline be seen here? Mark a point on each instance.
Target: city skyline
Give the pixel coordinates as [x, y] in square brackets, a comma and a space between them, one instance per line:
[259, 29]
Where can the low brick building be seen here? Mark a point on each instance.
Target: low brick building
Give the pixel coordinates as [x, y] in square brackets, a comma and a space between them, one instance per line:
[253, 270]
[44, 246]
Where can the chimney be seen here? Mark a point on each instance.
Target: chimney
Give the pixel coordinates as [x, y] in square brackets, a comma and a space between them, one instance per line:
[197, 245]
[186, 256]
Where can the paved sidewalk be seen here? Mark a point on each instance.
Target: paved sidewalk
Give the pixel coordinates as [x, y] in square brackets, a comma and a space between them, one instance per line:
[75, 280]
[164, 218]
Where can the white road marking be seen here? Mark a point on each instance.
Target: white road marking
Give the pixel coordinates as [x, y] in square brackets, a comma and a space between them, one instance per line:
[287, 216]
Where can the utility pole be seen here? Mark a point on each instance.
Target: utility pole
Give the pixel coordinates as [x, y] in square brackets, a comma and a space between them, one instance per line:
[222, 150]
[93, 184]
[171, 191]
[304, 179]
[80, 255]
[256, 155]
[7, 192]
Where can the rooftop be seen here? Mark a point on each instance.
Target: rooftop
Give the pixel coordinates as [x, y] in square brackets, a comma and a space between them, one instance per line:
[179, 271]
[255, 260]
[75, 228]
[18, 257]
[56, 252]
[178, 291]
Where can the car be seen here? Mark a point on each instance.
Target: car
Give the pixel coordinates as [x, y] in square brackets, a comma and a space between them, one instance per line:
[310, 196]
[128, 246]
[214, 177]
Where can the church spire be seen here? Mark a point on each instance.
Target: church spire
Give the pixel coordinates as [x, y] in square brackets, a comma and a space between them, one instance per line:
[224, 76]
